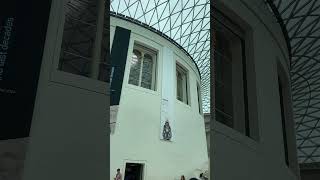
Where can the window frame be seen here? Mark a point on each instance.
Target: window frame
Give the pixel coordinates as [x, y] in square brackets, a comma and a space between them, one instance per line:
[143, 49]
[239, 32]
[185, 84]
[98, 37]
[139, 38]
[254, 121]
[66, 78]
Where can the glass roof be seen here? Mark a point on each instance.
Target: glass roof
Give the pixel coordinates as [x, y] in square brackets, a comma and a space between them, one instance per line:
[301, 22]
[187, 22]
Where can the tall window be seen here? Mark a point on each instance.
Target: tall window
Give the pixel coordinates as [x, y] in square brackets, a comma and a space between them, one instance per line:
[182, 84]
[230, 77]
[84, 45]
[143, 67]
[199, 98]
[223, 67]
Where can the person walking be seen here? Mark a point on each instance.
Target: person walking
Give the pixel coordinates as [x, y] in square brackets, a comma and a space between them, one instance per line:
[118, 175]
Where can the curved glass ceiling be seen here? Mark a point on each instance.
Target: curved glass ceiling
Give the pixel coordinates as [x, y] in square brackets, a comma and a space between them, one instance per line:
[187, 22]
[301, 19]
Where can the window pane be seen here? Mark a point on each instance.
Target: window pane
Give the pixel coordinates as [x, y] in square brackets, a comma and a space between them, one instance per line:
[179, 86]
[135, 67]
[78, 37]
[229, 91]
[224, 101]
[182, 84]
[147, 72]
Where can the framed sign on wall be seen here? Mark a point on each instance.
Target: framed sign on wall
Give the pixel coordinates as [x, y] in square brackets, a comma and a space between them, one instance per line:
[23, 28]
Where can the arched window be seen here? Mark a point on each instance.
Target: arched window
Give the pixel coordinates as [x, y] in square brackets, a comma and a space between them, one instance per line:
[143, 67]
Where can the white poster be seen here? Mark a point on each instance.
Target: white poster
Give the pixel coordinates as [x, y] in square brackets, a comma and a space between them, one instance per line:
[167, 127]
[166, 130]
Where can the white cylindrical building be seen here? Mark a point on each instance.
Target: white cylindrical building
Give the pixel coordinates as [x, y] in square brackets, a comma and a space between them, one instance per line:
[160, 89]
[157, 125]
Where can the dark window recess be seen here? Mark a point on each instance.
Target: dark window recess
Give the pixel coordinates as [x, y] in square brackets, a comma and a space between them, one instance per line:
[231, 98]
[199, 98]
[134, 171]
[283, 120]
[245, 90]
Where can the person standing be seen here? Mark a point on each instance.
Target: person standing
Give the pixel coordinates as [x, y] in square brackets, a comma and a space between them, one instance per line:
[201, 176]
[183, 178]
[118, 175]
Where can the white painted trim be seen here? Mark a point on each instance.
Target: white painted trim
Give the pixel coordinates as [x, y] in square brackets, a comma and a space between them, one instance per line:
[138, 39]
[168, 95]
[112, 32]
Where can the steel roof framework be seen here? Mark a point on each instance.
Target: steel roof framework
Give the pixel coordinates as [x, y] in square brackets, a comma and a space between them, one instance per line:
[187, 22]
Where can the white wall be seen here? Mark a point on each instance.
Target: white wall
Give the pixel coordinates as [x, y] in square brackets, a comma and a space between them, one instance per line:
[136, 136]
[235, 156]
